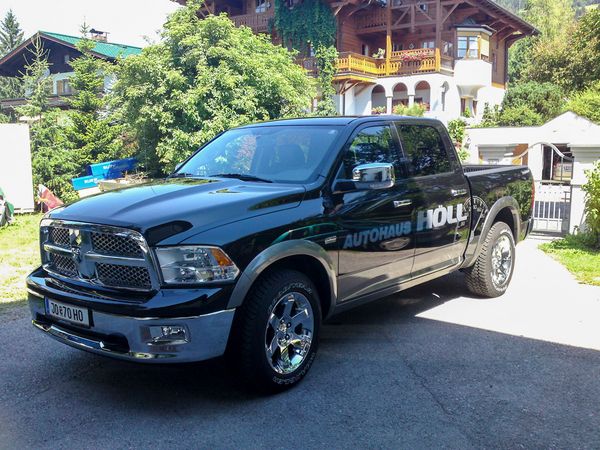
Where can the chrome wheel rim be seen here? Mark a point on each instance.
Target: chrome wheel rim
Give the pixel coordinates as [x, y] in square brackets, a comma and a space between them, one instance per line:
[289, 332]
[502, 261]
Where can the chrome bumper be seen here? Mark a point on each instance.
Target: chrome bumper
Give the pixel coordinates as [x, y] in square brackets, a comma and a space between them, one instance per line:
[208, 335]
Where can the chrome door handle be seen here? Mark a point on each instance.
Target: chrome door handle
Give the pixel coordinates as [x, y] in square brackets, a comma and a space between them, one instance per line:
[457, 192]
[399, 203]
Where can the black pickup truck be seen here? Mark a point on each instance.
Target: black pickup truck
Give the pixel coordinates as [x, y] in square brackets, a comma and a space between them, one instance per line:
[268, 230]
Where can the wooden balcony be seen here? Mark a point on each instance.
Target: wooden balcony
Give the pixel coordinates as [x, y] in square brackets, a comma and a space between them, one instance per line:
[258, 22]
[407, 62]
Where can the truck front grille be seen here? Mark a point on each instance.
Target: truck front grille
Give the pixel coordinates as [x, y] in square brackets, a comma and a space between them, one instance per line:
[110, 244]
[97, 255]
[117, 276]
[63, 265]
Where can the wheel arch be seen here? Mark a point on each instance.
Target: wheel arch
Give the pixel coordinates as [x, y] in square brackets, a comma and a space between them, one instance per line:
[304, 256]
[505, 209]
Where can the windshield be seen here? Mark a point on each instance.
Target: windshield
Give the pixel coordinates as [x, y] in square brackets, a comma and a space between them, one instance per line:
[288, 154]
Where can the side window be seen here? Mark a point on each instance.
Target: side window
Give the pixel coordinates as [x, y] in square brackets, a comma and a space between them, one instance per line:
[424, 150]
[371, 145]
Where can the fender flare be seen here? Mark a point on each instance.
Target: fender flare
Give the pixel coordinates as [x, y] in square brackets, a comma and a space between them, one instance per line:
[500, 204]
[276, 253]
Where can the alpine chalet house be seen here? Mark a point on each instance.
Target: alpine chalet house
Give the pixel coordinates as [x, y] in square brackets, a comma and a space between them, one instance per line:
[60, 50]
[449, 55]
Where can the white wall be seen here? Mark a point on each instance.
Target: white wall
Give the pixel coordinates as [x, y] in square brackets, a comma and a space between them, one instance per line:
[15, 165]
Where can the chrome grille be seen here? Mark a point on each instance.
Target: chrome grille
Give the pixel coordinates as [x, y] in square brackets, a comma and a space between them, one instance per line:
[97, 255]
[123, 276]
[63, 265]
[60, 237]
[110, 244]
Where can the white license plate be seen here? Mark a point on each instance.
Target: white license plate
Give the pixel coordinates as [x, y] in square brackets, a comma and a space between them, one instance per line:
[70, 313]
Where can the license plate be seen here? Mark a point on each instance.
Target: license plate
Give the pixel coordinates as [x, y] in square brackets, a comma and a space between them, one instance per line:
[70, 313]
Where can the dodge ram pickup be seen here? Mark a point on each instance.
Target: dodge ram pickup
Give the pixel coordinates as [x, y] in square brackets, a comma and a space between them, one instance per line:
[266, 231]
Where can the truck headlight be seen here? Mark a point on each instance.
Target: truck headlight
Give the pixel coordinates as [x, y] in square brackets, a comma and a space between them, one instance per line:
[195, 264]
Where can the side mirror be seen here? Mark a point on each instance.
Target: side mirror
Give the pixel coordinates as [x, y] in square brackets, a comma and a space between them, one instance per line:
[374, 176]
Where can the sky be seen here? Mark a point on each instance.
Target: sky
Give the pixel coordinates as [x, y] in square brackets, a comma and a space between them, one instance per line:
[127, 21]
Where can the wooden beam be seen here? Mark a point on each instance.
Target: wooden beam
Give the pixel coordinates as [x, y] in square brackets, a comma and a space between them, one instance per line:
[424, 13]
[388, 37]
[412, 18]
[337, 6]
[449, 12]
[402, 16]
[438, 25]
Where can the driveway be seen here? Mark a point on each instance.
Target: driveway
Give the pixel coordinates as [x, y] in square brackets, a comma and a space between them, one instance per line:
[431, 367]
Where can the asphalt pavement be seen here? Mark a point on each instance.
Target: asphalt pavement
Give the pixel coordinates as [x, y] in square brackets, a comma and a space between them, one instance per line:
[428, 368]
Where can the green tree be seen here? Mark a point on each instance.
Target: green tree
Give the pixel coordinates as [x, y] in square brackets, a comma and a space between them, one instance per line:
[309, 22]
[204, 77]
[587, 103]
[11, 36]
[37, 85]
[326, 57]
[91, 133]
[546, 99]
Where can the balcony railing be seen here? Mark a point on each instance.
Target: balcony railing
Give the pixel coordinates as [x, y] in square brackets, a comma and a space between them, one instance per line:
[406, 62]
[258, 22]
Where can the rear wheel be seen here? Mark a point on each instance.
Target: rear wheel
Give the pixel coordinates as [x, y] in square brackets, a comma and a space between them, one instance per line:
[278, 331]
[493, 269]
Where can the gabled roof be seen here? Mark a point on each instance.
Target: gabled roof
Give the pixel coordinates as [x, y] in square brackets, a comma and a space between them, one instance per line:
[105, 50]
[108, 49]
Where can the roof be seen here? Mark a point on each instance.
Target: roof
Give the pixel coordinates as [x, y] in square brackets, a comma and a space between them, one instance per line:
[10, 65]
[110, 50]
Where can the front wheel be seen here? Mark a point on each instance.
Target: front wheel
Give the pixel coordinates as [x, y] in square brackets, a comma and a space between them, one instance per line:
[278, 331]
[493, 269]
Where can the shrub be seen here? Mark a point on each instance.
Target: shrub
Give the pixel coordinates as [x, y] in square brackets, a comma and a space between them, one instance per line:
[592, 201]
[378, 110]
[416, 110]
[587, 103]
[545, 99]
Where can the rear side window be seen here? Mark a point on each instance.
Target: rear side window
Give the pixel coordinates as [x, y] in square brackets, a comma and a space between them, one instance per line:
[424, 150]
[370, 145]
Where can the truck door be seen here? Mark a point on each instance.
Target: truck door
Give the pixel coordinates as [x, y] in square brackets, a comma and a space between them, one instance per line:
[442, 220]
[375, 235]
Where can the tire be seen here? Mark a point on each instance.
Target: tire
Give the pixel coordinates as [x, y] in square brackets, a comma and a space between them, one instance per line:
[265, 331]
[493, 268]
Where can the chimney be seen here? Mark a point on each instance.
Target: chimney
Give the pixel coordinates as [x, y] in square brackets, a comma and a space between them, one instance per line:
[98, 36]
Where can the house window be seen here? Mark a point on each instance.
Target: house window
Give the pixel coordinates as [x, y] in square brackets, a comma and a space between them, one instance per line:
[424, 7]
[448, 49]
[63, 87]
[262, 6]
[365, 49]
[397, 46]
[67, 59]
[468, 47]
[428, 44]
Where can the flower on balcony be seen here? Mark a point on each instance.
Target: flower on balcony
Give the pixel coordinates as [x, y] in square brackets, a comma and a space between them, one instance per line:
[412, 57]
[379, 54]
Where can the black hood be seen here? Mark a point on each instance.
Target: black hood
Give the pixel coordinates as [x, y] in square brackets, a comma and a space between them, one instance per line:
[203, 203]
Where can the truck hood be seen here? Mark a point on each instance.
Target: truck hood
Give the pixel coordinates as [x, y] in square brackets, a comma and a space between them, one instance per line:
[204, 203]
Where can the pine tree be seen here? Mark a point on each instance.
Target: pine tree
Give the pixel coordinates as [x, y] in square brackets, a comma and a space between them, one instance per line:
[11, 36]
[36, 82]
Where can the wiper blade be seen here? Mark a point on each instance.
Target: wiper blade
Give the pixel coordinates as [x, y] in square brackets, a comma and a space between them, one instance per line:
[241, 176]
[181, 175]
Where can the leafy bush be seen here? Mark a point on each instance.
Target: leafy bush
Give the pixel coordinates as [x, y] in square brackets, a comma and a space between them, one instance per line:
[378, 110]
[456, 129]
[521, 115]
[416, 110]
[545, 99]
[587, 103]
[592, 201]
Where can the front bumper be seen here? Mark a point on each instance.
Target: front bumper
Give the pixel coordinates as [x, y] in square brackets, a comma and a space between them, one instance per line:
[126, 336]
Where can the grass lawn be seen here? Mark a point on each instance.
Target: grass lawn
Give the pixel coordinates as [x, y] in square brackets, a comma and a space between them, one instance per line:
[19, 254]
[576, 255]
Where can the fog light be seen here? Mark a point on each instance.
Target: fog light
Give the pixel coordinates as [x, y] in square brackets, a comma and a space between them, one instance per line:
[168, 335]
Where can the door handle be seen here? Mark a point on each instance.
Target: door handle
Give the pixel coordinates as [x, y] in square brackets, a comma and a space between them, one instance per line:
[458, 192]
[399, 203]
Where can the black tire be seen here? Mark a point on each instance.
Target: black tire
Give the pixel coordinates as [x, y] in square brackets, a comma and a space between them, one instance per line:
[479, 277]
[248, 351]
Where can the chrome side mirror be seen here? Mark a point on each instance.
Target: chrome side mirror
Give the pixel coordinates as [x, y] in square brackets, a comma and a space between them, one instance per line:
[374, 176]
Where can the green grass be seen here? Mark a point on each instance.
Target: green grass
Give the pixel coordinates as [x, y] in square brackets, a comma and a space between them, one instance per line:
[578, 256]
[19, 254]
